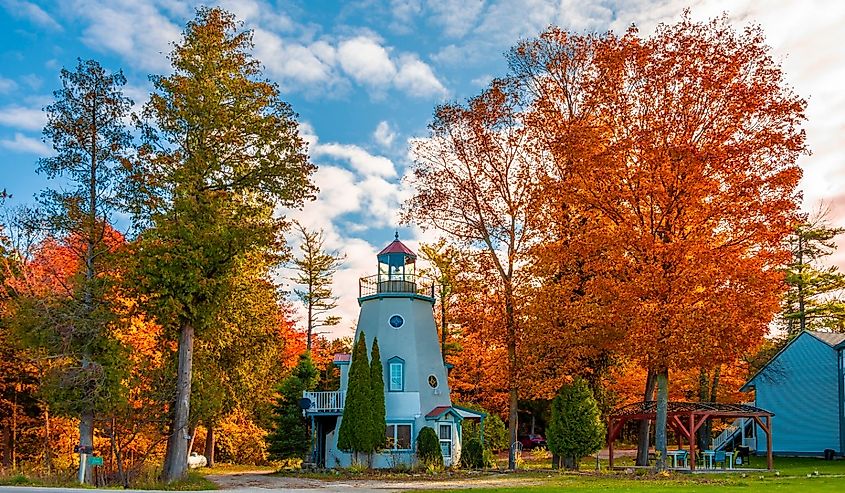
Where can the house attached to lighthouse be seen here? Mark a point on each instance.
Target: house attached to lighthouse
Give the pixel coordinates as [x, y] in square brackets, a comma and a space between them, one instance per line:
[396, 307]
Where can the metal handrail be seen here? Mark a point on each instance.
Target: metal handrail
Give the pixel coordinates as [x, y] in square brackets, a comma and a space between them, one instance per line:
[331, 401]
[408, 283]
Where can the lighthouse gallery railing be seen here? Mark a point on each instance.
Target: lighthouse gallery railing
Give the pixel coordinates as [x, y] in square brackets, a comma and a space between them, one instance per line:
[371, 285]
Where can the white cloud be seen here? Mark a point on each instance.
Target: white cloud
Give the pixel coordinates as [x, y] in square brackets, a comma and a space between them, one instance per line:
[366, 61]
[23, 118]
[457, 17]
[29, 145]
[31, 12]
[417, 78]
[136, 30]
[363, 162]
[7, 85]
[296, 64]
[383, 134]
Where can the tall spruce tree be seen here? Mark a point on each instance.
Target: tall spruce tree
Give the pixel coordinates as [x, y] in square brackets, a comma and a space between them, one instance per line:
[813, 300]
[85, 125]
[289, 438]
[221, 152]
[378, 414]
[355, 433]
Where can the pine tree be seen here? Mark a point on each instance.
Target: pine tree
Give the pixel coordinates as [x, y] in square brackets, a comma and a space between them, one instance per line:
[315, 270]
[812, 301]
[378, 424]
[575, 428]
[289, 438]
[355, 435]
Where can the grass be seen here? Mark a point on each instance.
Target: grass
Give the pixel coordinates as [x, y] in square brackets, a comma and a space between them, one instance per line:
[193, 482]
[794, 475]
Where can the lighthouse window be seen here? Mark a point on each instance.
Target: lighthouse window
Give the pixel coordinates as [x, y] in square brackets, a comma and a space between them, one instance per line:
[398, 436]
[396, 368]
[397, 321]
[446, 440]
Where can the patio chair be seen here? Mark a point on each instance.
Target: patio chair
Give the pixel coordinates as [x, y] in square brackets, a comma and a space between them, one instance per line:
[743, 455]
[720, 456]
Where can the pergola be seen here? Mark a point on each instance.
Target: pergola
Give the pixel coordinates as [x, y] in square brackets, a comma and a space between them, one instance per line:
[686, 418]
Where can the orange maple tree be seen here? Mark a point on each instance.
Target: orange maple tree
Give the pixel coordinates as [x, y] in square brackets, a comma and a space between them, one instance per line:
[682, 146]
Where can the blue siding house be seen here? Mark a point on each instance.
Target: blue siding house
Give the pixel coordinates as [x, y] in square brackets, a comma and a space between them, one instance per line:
[804, 386]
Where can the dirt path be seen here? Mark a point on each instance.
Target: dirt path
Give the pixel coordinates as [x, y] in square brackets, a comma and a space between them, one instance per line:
[263, 480]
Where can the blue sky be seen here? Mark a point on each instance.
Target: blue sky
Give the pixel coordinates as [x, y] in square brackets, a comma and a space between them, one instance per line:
[365, 75]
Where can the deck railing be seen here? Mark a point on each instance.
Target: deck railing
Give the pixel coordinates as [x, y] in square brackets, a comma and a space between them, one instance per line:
[372, 285]
[325, 402]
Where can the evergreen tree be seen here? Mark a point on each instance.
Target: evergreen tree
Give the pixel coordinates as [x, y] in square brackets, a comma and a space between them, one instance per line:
[289, 438]
[812, 301]
[221, 152]
[355, 428]
[86, 127]
[378, 414]
[315, 270]
[575, 428]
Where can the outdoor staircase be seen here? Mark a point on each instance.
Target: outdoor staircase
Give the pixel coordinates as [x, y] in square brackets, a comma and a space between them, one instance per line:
[729, 434]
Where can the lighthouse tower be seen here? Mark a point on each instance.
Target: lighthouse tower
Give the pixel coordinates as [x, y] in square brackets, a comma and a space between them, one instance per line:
[396, 307]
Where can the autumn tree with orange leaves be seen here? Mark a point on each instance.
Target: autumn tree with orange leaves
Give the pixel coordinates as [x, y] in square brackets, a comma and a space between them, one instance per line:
[683, 146]
[474, 179]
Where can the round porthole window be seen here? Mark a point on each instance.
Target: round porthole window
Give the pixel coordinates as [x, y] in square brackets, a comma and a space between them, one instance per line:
[432, 381]
[397, 321]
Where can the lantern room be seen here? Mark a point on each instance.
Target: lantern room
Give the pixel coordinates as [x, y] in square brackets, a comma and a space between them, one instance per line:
[396, 262]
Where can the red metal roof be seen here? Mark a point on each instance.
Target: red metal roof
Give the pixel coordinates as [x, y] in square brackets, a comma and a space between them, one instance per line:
[438, 411]
[397, 246]
[342, 358]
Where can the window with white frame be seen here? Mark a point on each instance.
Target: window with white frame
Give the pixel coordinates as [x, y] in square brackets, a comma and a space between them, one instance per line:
[396, 374]
[398, 436]
[446, 440]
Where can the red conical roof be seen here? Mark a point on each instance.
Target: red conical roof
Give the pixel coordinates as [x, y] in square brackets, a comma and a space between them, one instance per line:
[397, 246]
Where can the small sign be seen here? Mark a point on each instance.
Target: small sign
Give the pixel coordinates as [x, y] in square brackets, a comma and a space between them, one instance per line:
[79, 449]
[95, 461]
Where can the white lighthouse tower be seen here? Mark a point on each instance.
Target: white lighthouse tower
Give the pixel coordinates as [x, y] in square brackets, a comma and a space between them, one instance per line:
[396, 307]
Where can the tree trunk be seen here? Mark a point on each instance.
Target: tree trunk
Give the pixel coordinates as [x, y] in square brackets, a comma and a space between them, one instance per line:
[86, 439]
[703, 435]
[660, 421]
[118, 456]
[645, 425]
[48, 450]
[176, 458]
[209, 444]
[513, 395]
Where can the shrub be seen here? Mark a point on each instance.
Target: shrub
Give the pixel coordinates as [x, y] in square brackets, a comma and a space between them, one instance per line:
[575, 428]
[495, 432]
[240, 440]
[472, 454]
[428, 448]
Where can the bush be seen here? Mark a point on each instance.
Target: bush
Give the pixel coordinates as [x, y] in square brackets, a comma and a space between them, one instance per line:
[472, 454]
[240, 440]
[428, 448]
[575, 428]
[495, 432]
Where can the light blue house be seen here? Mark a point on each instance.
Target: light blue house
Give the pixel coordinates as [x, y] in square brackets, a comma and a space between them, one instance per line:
[804, 386]
[396, 306]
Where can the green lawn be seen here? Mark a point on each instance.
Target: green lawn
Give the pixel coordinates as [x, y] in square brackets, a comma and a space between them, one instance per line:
[791, 477]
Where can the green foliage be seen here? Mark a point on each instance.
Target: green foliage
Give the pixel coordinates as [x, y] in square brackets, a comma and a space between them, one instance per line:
[289, 437]
[495, 433]
[378, 423]
[355, 433]
[472, 454]
[428, 448]
[575, 428]
[813, 300]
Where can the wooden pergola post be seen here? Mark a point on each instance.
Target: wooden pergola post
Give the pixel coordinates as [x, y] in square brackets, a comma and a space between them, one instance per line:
[769, 460]
[691, 441]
